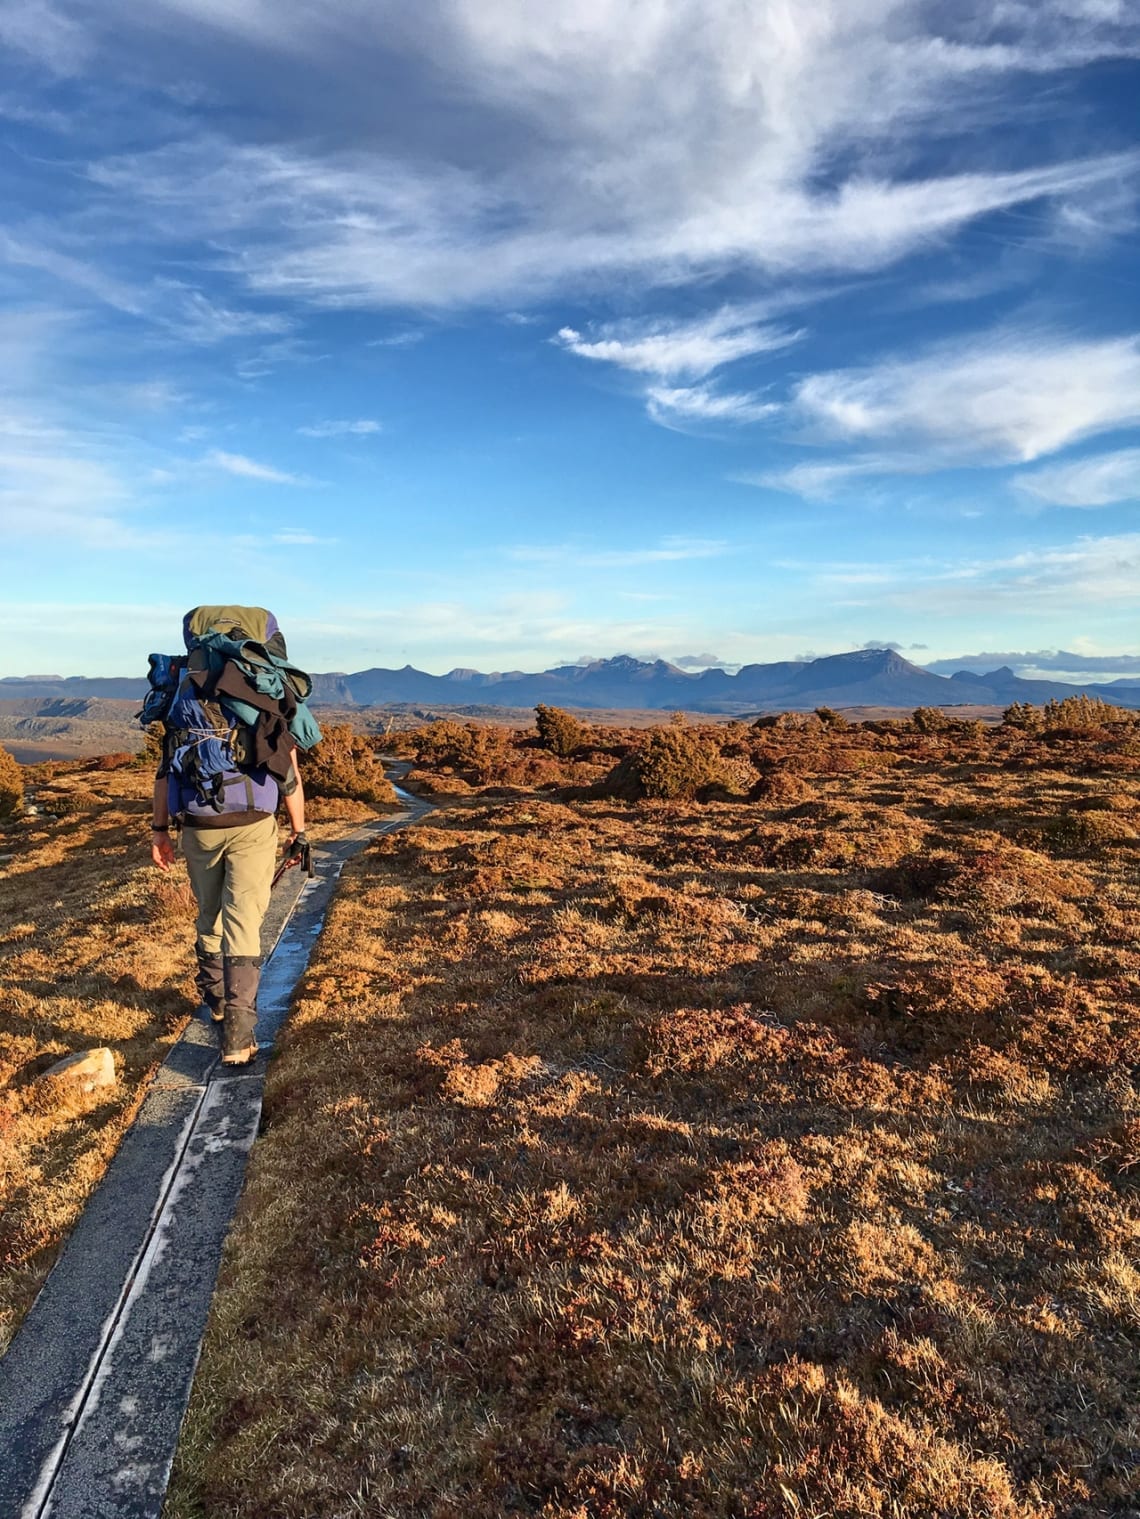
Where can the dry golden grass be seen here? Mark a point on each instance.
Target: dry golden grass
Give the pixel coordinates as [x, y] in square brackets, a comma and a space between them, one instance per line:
[747, 1159]
[96, 948]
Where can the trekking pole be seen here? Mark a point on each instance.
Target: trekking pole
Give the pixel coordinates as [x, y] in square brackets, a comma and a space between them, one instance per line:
[305, 862]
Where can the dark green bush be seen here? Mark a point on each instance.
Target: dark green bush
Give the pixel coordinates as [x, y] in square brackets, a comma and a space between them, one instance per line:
[931, 720]
[558, 731]
[1082, 712]
[11, 786]
[1024, 716]
[672, 764]
[832, 719]
[149, 756]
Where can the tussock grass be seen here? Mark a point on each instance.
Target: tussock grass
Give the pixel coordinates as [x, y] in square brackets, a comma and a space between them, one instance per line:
[770, 1157]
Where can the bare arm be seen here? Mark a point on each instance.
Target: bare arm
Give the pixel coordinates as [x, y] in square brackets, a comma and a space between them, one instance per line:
[161, 845]
[295, 801]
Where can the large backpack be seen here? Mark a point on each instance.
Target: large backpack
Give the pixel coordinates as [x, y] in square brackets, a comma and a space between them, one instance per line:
[209, 740]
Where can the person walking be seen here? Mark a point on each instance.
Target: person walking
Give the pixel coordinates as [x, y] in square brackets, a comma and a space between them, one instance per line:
[210, 784]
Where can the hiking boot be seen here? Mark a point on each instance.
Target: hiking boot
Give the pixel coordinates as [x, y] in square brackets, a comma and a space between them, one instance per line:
[211, 982]
[240, 1057]
[242, 974]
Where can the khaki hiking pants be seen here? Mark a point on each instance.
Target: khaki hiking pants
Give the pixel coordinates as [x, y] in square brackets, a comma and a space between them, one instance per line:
[231, 873]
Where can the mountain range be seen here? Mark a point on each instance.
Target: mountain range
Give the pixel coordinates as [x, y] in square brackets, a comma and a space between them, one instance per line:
[862, 678]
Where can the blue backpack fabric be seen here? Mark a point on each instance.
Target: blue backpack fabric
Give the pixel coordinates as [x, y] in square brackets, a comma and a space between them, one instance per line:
[209, 770]
[165, 673]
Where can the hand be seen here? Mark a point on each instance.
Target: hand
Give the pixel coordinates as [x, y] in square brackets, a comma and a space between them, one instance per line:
[295, 850]
[161, 850]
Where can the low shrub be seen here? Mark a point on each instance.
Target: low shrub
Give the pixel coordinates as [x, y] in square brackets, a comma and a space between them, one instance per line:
[1083, 712]
[832, 719]
[930, 720]
[11, 786]
[343, 765]
[337, 809]
[476, 752]
[120, 760]
[63, 804]
[1080, 831]
[149, 756]
[780, 787]
[671, 764]
[558, 731]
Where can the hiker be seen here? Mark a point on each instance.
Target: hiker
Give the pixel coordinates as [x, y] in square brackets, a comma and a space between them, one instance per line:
[233, 712]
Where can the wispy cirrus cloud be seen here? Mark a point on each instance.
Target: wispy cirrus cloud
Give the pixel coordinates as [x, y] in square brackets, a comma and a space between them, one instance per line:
[250, 469]
[1099, 481]
[675, 349]
[48, 496]
[360, 427]
[821, 480]
[1006, 397]
[1090, 572]
[299, 538]
[181, 310]
[670, 550]
[670, 142]
[678, 406]
[364, 232]
[46, 33]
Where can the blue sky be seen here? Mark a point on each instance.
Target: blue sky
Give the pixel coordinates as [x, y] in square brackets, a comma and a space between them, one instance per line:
[483, 333]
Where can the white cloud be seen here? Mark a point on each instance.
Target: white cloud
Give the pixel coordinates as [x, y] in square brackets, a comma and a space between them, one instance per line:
[177, 308]
[406, 339]
[362, 427]
[299, 538]
[42, 31]
[1098, 481]
[679, 350]
[668, 551]
[194, 316]
[250, 469]
[663, 141]
[1095, 571]
[355, 231]
[823, 479]
[674, 406]
[1047, 664]
[1092, 572]
[703, 662]
[1005, 397]
[57, 485]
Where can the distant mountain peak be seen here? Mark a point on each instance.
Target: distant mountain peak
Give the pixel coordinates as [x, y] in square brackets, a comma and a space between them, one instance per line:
[857, 678]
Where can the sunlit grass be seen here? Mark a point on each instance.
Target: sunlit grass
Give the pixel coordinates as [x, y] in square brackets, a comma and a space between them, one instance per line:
[732, 1159]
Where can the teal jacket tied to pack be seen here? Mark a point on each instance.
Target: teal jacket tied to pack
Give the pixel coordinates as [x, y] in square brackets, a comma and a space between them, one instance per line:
[269, 675]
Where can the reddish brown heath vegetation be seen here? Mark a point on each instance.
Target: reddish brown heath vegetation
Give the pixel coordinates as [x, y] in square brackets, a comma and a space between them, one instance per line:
[773, 1154]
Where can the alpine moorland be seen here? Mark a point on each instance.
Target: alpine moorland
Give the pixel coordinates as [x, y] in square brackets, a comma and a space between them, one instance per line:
[722, 1122]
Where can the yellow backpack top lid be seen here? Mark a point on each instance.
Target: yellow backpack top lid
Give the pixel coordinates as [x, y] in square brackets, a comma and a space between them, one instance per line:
[253, 623]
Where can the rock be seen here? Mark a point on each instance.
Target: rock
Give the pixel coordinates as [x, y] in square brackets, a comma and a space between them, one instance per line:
[89, 1069]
